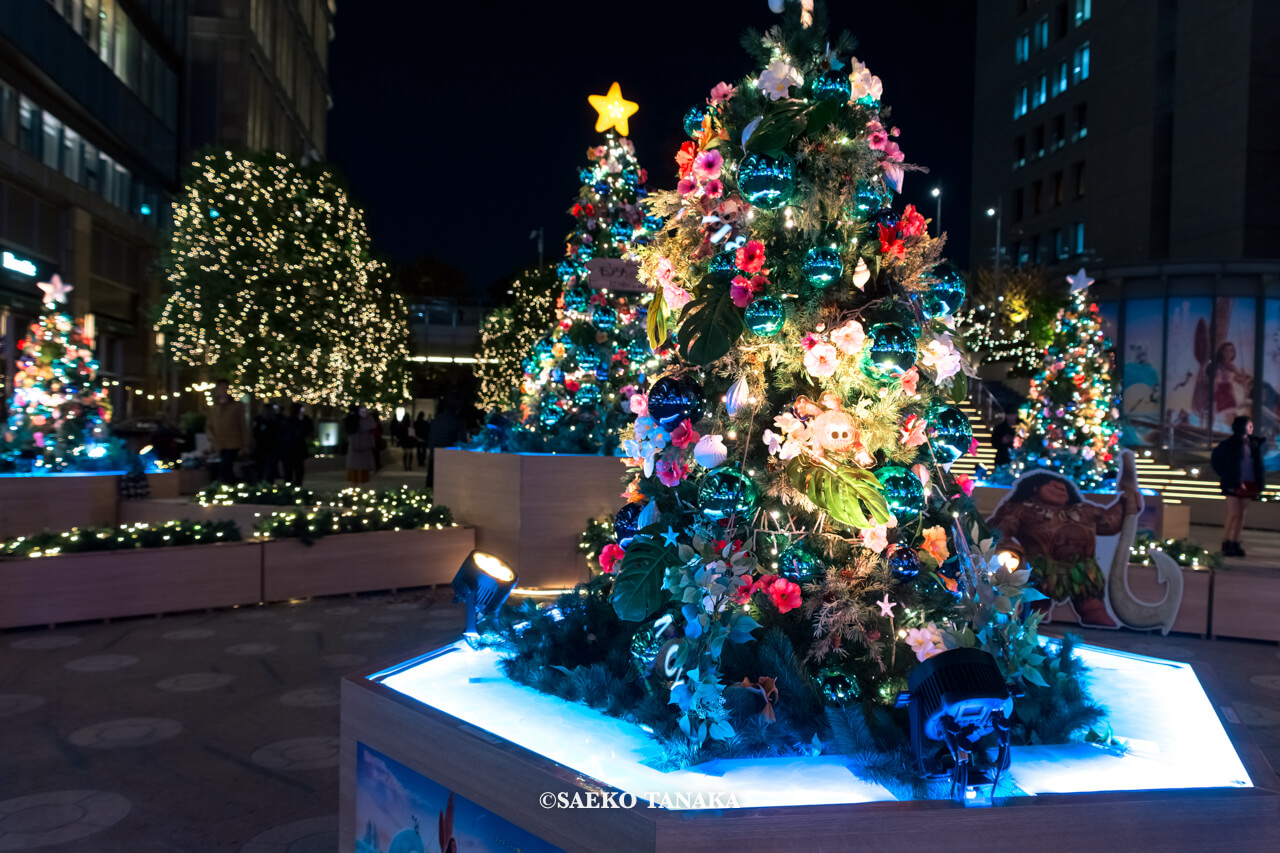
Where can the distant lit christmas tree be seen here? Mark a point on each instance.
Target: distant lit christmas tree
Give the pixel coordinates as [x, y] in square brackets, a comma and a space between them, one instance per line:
[578, 379]
[1070, 421]
[58, 413]
[508, 334]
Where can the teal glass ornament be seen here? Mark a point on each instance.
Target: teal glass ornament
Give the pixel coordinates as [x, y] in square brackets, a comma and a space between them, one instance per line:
[569, 269]
[587, 395]
[765, 316]
[577, 298]
[527, 365]
[767, 182]
[950, 433]
[725, 262]
[831, 86]
[891, 351]
[693, 119]
[549, 416]
[946, 292]
[822, 267]
[584, 253]
[604, 318]
[673, 399]
[902, 490]
[588, 361]
[837, 687]
[869, 102]
[725, 493]
[868, 196]
[544, 350]
[626, 523]
[638, 350]
[904, 563]
[621, 230]
[800, 565]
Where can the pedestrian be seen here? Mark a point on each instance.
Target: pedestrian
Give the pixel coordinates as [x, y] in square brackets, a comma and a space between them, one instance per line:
[379, 442]
[422, 430]
[1238, 463]
[447, 429]
[1002, 437]
[361, 440]
[266, 443]
[295, 443]
[226, 430]
[407, 440]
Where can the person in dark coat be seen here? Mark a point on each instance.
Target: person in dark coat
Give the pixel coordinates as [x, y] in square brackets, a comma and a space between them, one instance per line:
[407, 440]
[1002, 437]
[421, 430]
[295, 443]
[1238, 463]
[266, 443]
[447, 429]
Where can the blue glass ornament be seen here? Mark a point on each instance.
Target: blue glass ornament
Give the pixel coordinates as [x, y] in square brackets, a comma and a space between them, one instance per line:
[631, 177]
[831, 86]
[625, 523]
[905, 564]
[641, 192]
[550, 416]
[693, 119]
[800, 565]
[604, 318]
[527, 364]
[952, 571]
[884, 216]
[602, 373]
[621, 230]
[557, 375]
[584, 253]
[725, 493]
[946, 292]
[588, 360]
[822, 266]
[902, 490]
[544, 350]
[868, 196]
[672, 399]
[891, 351]
[601, 187]
[767, 182]
[638, 349]
[577, 298]
[950, 433]
[587, 395]
[653, 223]
[765, 316]
[568, 268]
[725, 262]
[585, 175]
[837, 687]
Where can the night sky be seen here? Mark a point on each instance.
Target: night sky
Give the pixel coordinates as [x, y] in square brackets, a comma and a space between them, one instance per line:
[461, 126]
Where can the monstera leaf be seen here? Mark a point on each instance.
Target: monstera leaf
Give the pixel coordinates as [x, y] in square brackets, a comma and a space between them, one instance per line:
[849, 495]
[785, 122]
[637, 590]
[711, 323]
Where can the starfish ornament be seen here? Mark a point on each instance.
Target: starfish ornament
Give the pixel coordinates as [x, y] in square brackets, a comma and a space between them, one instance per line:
[886, 606]
[55, 290]
[1079, 281]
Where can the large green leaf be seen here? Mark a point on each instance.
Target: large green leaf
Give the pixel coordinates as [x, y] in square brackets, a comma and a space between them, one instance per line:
[849, 495]
[779, 128]
[637, 590]
[710, 323]
[820, 115]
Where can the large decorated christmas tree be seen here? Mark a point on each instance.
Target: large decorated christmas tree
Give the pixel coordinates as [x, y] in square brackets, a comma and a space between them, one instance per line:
[793, 544]
[58, 413]
[1070, 422]
[578, 378]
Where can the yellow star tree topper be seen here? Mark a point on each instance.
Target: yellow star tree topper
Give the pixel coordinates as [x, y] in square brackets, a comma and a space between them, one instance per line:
[614, 110]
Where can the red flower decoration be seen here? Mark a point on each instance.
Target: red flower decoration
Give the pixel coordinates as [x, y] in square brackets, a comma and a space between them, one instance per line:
[685, 157]
[784, 594]
[912, 223]
[684, 435]
[890, 244]
[610, 556]
[571, 385]
[750, 258]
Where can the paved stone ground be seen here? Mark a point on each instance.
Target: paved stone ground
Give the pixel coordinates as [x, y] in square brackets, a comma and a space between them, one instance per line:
[218, 731]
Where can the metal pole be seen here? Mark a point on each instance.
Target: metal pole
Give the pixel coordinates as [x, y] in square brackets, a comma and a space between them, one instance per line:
[938, 218]
[999, 216]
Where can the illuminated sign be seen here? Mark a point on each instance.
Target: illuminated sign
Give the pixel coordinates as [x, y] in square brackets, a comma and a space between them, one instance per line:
[19, 265]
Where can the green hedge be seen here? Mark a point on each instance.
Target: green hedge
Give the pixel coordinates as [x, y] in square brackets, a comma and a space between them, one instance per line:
[125, 537]
[310, 525]
[283, 494]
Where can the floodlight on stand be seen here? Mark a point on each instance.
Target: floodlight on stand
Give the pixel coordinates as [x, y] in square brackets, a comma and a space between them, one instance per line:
[483, 582]
[958, 699]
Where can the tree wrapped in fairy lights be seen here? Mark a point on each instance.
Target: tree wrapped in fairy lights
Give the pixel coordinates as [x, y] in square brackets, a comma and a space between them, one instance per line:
[59, 410]
[1070, 422]
[579, 376]
[793, 543]
[507, 336]
[271, 284]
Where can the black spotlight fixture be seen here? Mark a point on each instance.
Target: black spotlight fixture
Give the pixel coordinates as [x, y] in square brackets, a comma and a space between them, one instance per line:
[483, 582]
[959, 705]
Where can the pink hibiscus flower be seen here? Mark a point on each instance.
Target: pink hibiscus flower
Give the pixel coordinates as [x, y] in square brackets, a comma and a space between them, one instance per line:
[684, 435]
[822, 360]
[750, 258]
[913, 431]
[639, 404]
[965, 482]
[609, 557]
[849, 338]
[722, 92]
[664, 271]
[671, 471]
[909, 381]
[876, 137]
[706, 166]
[686, 186]
[784, 594]
[713, 188]
[912, 223]
[675, 297]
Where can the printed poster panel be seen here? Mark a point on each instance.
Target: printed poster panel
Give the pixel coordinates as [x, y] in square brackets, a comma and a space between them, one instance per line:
[1231, 368]
[1270, 386]
[400, 811]
[1143, 362]
[1189, 398]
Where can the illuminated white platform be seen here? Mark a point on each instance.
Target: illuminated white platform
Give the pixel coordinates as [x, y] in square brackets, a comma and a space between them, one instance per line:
[1189, 772]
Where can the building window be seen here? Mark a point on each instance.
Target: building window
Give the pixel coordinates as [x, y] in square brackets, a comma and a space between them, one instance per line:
[1084, 11]
[1078, 179]
[1059, 180]
[6, 105]
[1080, 64]
[1037, 190]
[1037, 249]
[1059, 245]
[52, 141]
[1019, 152]
[29, 130]
[1024, 253]
[71, 149]
[1061, 19]
[1022, 48]
[1042, 91]
[1020, 103]
[1018, 210]
[1082, 122]
[1060, 83]
[1059, 131]
[1038, 148]
[1077, 238]
[1042, 33]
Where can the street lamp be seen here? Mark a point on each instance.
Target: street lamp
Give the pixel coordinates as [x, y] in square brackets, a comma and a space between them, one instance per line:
[995, 211]
[937, 221]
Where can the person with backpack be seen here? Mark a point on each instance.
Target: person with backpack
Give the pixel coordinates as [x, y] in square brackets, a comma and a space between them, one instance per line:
[1237, 461]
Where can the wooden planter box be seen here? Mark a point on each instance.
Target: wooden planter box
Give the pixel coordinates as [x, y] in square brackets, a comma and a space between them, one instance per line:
[246, 516]
[1193, 614]
[363, 562]
[32, 503]
[192, 480]
[141, 582]
[530, 509]
[1246, 604]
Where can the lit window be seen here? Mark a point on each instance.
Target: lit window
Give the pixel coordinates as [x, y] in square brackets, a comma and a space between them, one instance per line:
[1060, 85]
[29, 138]
[1022, 48]
[1084, 10]
[71, 154]
[1082, 121]
[1059, 245]
[1080, 64]
[52, 141]
[1042, 33]
[1042, 91]
[1077, 238]
[1020, 103]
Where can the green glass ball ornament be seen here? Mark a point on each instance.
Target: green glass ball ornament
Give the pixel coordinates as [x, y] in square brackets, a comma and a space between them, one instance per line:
[837, 687]
[950, 433]
[868, 196]
[577, 299]
[725, 493]
[946, 292]
[822, 267]
[902, 490]
[800, 565]
[693, 119]
[604, 318]
[891, 351]
[884, 216]
[587, 395]
[638, 349]
[765, 316]
[767, 182]
[626, 523]
[905, 564]
[672, 399]
[725, 262]
[831, 86]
